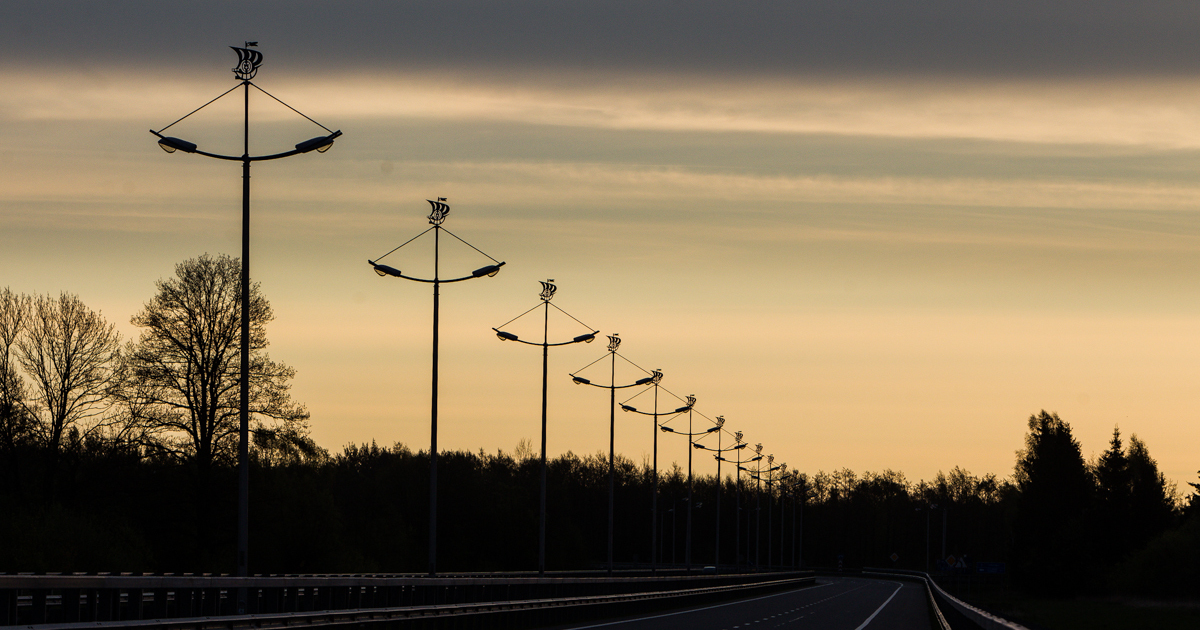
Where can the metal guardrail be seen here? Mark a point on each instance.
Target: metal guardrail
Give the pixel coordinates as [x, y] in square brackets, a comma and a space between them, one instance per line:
[952, 613]
[75, 601]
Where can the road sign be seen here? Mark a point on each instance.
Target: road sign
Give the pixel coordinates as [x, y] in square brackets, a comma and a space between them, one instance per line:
[895, 556]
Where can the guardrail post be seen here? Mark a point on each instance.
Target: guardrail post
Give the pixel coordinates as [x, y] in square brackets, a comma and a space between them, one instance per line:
[37, 614]
[135, 600]
[8, 607]
[70, 605]
[107, 600]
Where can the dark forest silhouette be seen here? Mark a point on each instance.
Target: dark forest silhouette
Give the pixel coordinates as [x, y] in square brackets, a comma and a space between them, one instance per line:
[125, 463]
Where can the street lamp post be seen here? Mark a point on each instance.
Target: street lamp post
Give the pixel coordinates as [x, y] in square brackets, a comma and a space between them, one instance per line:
[687, 550]
[614, 342]
[436, 217]
[782, 511]
[757, 457]
[548, 291]
[798, 545]
[719, 451]
[248, 63]
[657, 376]
[757, 504]
[770, 506]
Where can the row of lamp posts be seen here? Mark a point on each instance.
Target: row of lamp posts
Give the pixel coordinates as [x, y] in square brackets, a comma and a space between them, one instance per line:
[249, 60]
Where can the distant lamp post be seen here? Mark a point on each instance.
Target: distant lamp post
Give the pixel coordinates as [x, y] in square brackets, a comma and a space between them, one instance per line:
[548, 291]
[771, 468]
[248, 63]
[782, 512]
[436, 217]
[738, 446]
[757, 459]
[614, 342]
[657, 376]
[737, 486]
[687, 550]
[799, 491]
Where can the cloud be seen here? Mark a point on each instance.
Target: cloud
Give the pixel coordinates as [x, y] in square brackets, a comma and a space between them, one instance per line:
[953, 38]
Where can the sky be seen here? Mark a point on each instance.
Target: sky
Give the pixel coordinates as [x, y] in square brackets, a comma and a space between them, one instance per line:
[870, 235]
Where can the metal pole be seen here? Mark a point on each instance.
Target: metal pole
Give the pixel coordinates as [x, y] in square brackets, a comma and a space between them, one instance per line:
[770, 515]
[793, 529]
[927, 510]
[542, 507]
[674, 531]
[737, 488]
[654, 498]
[433, 451]
[757, 514]
[944, 512]
[800, 546]
[244, 384]
[612, 436]
[717, 552]
[687, 550]
[782, 520]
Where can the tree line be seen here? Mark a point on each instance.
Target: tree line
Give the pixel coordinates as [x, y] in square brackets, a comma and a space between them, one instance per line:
[121, 456]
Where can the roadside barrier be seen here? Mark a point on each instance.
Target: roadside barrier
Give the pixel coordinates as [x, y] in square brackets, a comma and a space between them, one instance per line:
[49, 602]
[950, 612]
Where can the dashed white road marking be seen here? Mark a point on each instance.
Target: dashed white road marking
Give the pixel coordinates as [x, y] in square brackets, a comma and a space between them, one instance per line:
[869, 619]
[692, 610]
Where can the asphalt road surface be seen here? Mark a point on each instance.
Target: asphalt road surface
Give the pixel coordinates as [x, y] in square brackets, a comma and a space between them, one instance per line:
[833, 604]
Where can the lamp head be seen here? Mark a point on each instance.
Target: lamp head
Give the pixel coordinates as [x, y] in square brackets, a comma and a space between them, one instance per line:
[505, 336]
[711, 429]
[384, 270]
[579, 380]
[644, 381]
[666, 429]
[588, 338]
[489, 271]
[171, 145]
[320, 144]
[627, 408]
[697, 446]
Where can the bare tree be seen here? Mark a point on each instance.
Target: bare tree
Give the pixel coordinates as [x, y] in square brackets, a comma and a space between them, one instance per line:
[69, 352]
[182, 373]
[16, 426]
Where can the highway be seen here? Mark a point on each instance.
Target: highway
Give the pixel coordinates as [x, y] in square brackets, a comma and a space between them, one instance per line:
[833, 604]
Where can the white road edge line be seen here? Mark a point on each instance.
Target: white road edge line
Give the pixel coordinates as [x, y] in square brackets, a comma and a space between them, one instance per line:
[869, 619]
[692, 610]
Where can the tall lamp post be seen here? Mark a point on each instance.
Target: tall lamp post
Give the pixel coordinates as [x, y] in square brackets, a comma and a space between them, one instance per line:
[757, 457]
[548, 291]
[770, 504]
[687, 550]
[614, 342]
[248, 63]
[738, 446]
[657, 376]
[436, 217]
[782, 510]
[799, 491]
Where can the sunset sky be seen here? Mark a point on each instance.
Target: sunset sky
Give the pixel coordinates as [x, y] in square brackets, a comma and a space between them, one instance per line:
[870, 235]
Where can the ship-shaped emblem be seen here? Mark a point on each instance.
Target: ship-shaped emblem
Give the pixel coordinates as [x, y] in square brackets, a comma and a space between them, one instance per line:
[248, 61]
[440, 210]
